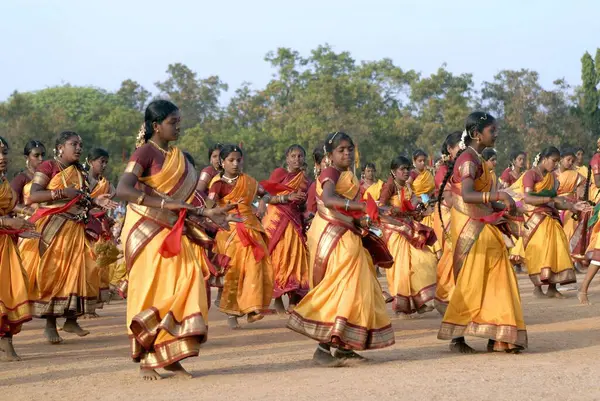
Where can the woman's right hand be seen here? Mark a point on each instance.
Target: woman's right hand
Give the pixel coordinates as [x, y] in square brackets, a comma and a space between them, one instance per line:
[297, 197]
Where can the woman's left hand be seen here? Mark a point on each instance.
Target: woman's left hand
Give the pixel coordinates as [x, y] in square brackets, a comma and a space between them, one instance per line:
[581, 206]
[221, 217]
[105, 201]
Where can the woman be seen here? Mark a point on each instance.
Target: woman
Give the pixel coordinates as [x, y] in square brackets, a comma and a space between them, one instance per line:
[248, 285]
[311, 196]
[445, 275]
[411, 279]
[344, 308]
[422, 182]
[571, 186]
[63, 276]
[210, 171]
[166, 300]
[369, 184]
[544, 241]
[579, 164]
[284, 225]
[14, 302]
[486, 301]
[514, 171]
[491, 158]
[34, 153]
[104, 249]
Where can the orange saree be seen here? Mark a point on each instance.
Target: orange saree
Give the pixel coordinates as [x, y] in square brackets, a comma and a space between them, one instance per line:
[284, 226]
[14, 301]
[248, 284]
[63, 278]
[570, 183]
[445, 275]
[486, 301]
[167, 309]
[344, 306]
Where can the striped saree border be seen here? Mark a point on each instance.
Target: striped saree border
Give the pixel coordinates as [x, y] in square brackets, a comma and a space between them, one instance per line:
[502, 333]
[411, 304]
[547, 276]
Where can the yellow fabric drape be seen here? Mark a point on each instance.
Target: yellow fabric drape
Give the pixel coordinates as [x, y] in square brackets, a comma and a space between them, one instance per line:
[248, 284]
[346, 307]
[14, 300]
[374, 190]
[486, 301]
[411, 280]
[444, 272]
[167, 309]
[424, 183]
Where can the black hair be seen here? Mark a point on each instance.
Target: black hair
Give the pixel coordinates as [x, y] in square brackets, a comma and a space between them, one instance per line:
[62, 138]
[190, 159]
[369, 165]
[29, 146]
[216, 146]
[295, 147]
[513, 156]
[549, 152]
[451, 141]
[156, 112]
[488, 153]
[4, 143]
[475, 122]
[318, 153]
[398, 162]
[580, 149]
[567, 152]
[96, 153]
[226, 150]
[334, 139]
[418, 153]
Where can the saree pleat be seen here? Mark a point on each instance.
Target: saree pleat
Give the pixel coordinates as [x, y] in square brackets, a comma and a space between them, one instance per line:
[166, 298]
[486, 301]
[64, 279]
[248, 284]
[345, 306]
[14, 301]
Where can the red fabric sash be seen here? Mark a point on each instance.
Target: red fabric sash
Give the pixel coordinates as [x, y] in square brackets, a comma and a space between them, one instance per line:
[171, 246]
[43, 212]
[247, 240]
[273, 188]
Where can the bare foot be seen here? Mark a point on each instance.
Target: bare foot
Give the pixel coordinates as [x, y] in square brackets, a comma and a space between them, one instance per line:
[7, 351]
[232, 322]
[278, 304]
[93, 315]
[324, 358]
[178, 371]
[149, 374]
[51, 333]
[461, 347]
[71, 326]
[583, 299]
[254, 317]
[538, 293]
[403, 316]
[554, 293]
[349, 356]
[218, 300]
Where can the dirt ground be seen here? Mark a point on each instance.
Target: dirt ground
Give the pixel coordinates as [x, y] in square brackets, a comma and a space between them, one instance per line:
[266, 361]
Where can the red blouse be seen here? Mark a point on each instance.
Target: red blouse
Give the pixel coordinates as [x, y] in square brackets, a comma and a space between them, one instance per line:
[18, 183]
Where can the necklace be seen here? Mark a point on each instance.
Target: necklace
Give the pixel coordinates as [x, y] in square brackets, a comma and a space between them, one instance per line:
[230, 180]
[164, 152]
[62, 167]
[478, 154]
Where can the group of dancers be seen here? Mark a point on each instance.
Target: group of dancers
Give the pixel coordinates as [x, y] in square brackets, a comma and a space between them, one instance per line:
[448, 238]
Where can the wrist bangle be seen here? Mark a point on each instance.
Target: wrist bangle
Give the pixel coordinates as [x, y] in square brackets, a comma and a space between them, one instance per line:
[347, 205]
[201, 211]
[141, 198]
[162, 204]
[2, 222]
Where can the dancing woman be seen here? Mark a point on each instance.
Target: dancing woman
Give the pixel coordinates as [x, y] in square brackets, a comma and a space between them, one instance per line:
[486, 301]
[166, 300]
[369, 184]
[311, 196]
[592, 255]
[579, 165]
[14, 301]
[284, 225]
[344, 308]
[422, 182]
[514, 171]
[546, 246]
[34, 153]
[209, 172]
[248, 285]
[491, 158]
[411, 280]
[64, 280]
[445, 274]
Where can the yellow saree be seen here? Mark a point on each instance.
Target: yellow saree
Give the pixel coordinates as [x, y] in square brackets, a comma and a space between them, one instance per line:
[344, 306]
[14, 301]
[102, 187]
[248, 284]
[374, 190]
[63, 278]
[424, 183]
[486, 301]
[546, 246]
[444, 272]
[412, 278]
[167, 310]
[570, 181]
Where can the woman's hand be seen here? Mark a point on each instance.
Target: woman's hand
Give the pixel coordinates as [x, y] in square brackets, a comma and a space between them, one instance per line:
[221, 216]
[105, 201]
[581, 206]
[177, 205]
[296, 197]
[509, 201]
[30, 235]
[262, 210]
[70, 193]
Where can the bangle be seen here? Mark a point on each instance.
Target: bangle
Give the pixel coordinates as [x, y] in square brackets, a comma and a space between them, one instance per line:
[162, 204]
[485, 197]
[140, 198]
[347, 205]
[201, 211]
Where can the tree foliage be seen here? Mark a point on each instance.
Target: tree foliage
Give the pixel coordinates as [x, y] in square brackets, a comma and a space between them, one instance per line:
[387, 110]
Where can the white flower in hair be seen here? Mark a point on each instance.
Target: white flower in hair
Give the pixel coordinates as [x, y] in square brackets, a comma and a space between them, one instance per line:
[463, 138]
[536, 160]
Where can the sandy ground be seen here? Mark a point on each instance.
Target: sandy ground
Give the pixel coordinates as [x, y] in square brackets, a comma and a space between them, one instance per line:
[266, 361]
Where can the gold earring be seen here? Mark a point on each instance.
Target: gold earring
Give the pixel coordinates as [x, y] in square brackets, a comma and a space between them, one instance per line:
[60, 152]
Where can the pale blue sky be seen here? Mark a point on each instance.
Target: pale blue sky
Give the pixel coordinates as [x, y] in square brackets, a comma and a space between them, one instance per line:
[101, 43]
